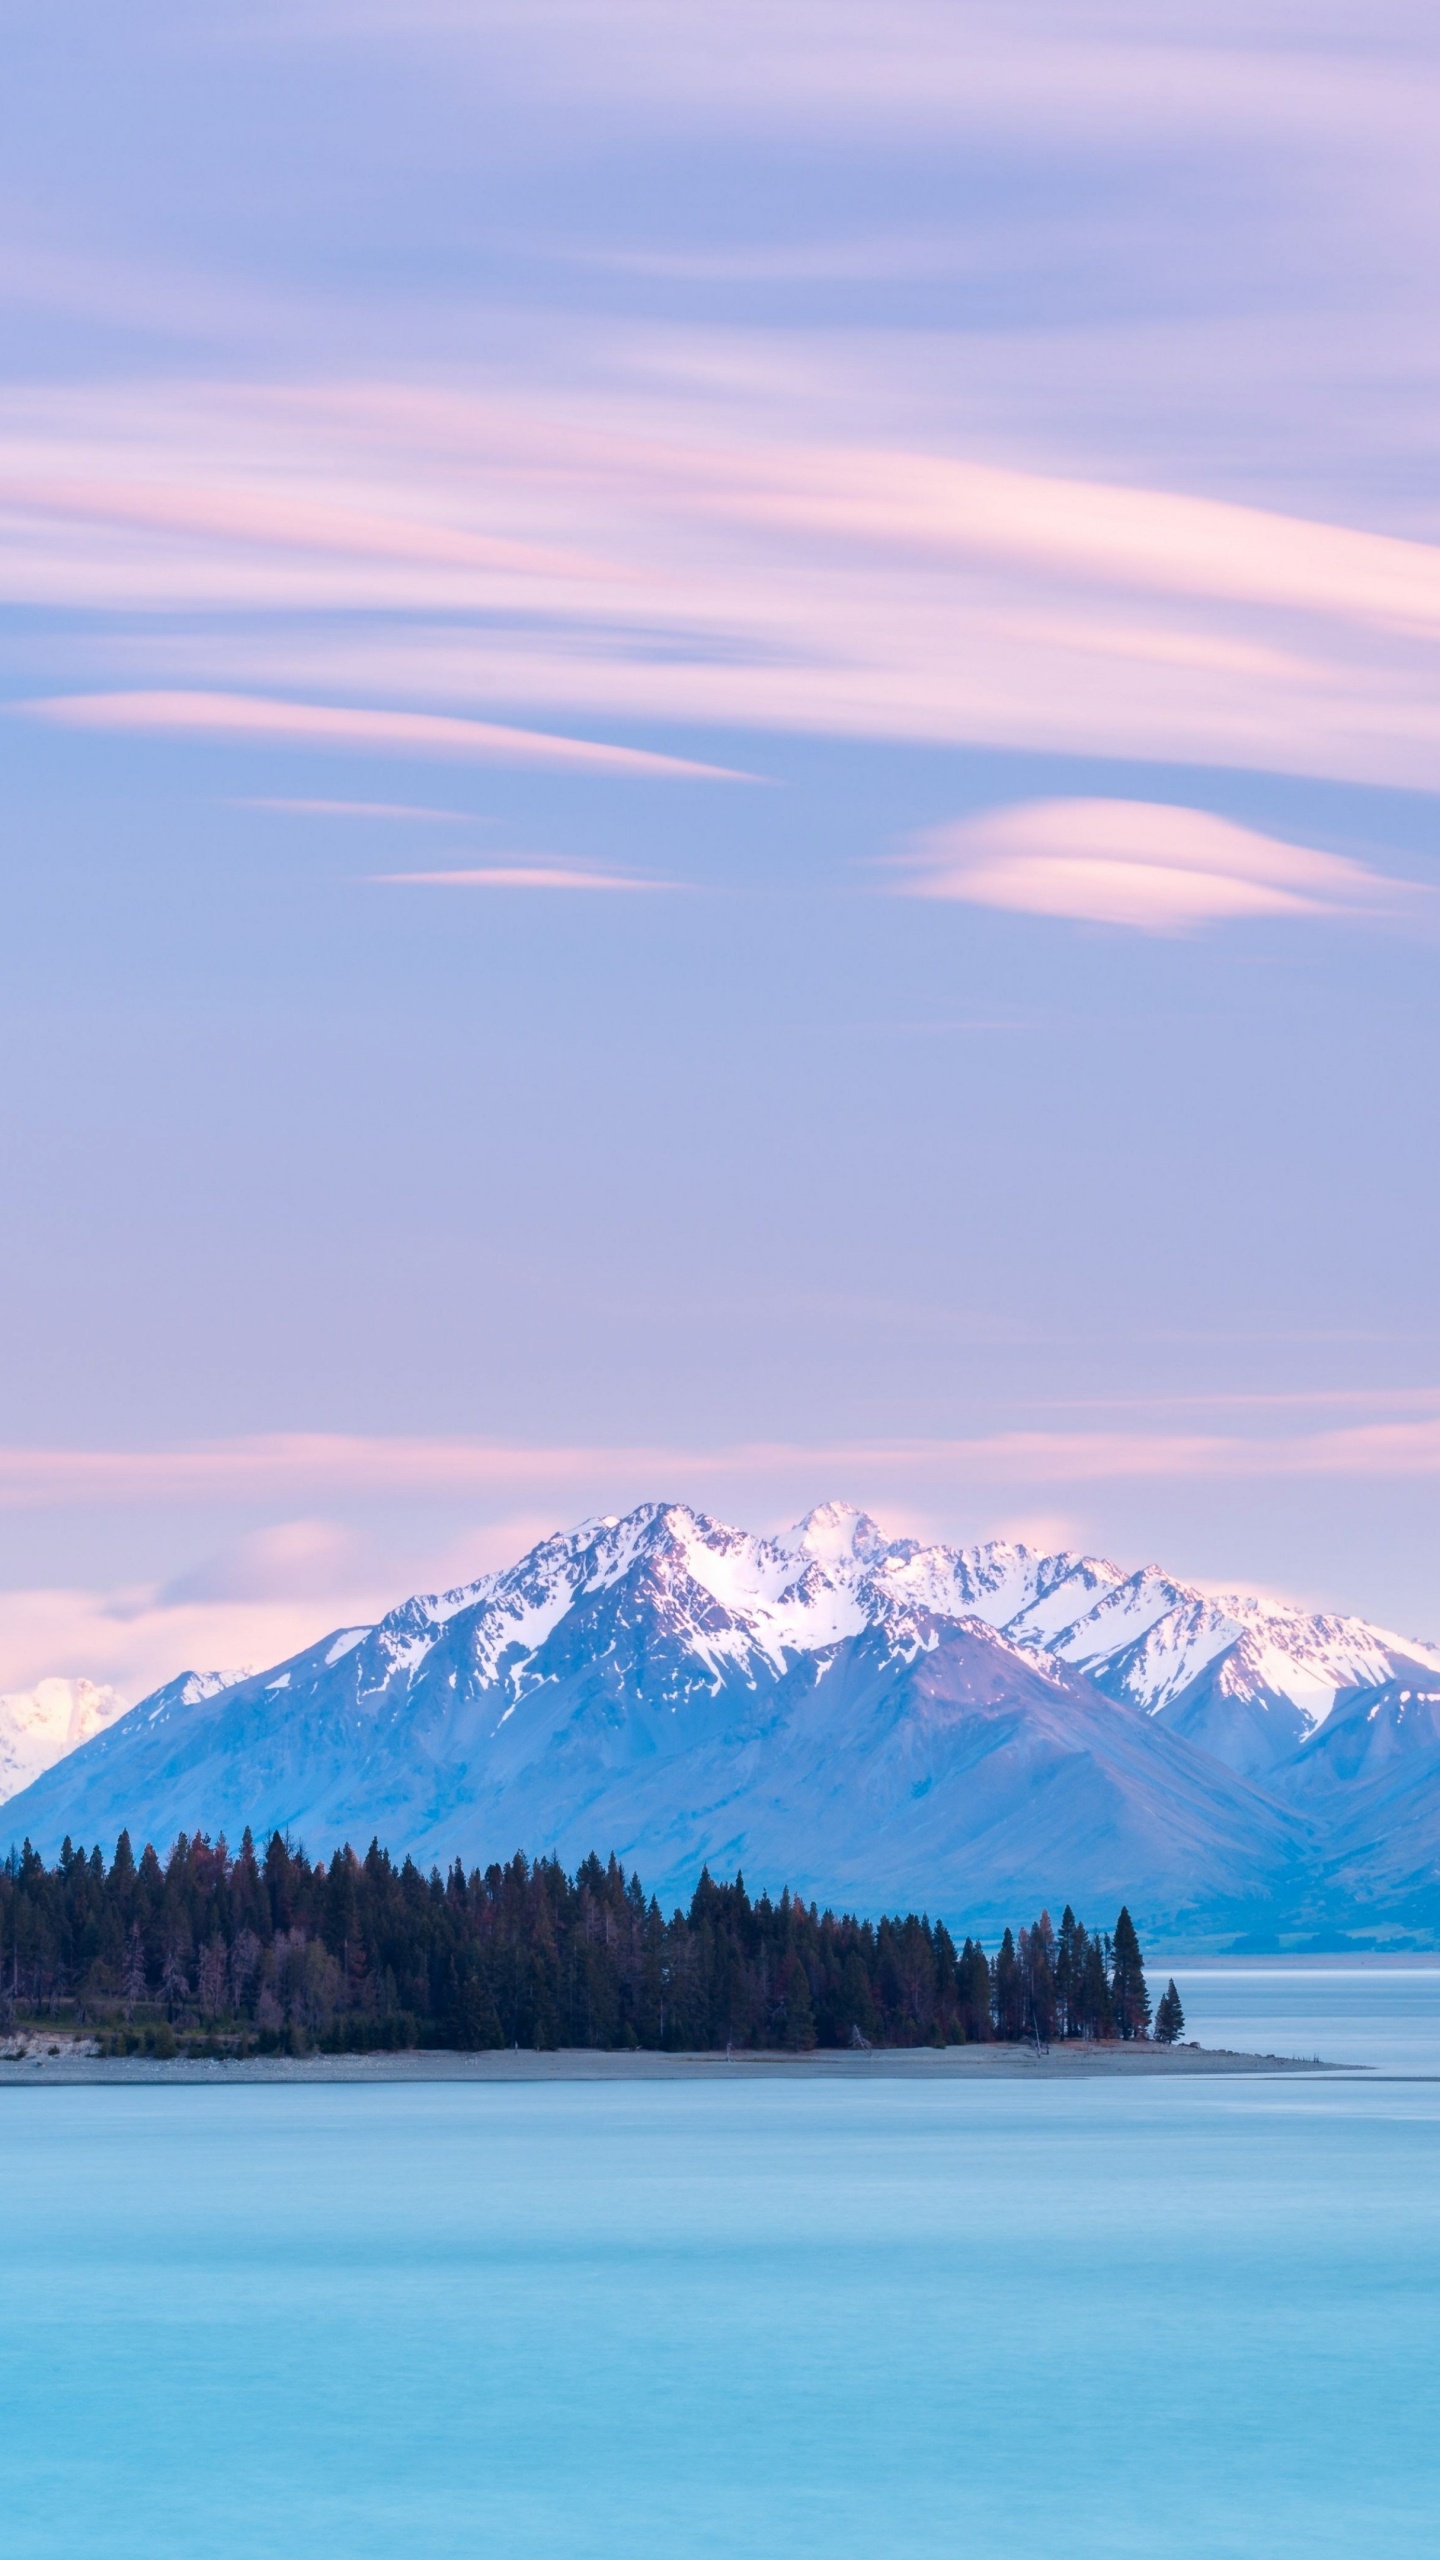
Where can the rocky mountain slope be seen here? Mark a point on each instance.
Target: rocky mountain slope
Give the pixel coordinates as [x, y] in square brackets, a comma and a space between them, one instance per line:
[867, 1719]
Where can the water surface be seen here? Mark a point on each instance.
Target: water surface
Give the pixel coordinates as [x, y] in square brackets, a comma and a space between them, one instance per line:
[1020, 2321]
[1385, 2015]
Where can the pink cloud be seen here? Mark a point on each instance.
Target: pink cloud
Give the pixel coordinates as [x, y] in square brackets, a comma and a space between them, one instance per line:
[1081, 75]
[1151, 865]
[414, 733]
[691, 542]
[516, 876]
[1125, 537]
[132, 1640]
[268, 1594]
[259, 521]
[386, 810]
[286, 1466]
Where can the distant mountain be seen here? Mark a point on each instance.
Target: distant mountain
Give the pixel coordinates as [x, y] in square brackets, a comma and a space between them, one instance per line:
[1370, 1778]
[872, 1720]
[39, 1726]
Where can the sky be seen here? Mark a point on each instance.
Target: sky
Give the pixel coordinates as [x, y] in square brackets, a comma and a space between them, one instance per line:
[721, 758]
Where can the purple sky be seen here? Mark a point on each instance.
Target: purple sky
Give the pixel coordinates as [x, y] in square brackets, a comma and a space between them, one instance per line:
[721, 760]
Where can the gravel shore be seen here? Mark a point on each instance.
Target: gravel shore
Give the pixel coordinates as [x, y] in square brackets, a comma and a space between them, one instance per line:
[38, 2066]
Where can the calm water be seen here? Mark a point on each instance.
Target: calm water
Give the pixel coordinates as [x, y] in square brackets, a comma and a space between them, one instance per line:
[1387, 2016]
[1031, 2322]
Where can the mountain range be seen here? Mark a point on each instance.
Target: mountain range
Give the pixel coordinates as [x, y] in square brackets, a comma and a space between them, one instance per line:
[872, 1721]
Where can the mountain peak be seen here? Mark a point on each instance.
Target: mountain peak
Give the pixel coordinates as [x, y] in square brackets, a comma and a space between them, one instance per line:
[864, 1714]
[834, 1532]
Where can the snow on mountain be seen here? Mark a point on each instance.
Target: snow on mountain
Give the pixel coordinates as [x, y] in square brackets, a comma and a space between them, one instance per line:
[1371, 1776]
[39, 1726]
[1245, 1680]
[875, 1717]
[43, 1725]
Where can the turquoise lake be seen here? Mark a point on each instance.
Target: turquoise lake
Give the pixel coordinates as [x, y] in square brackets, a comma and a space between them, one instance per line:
[668, 2319]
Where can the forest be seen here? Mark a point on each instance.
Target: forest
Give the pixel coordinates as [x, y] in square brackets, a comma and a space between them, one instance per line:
[267, 1951]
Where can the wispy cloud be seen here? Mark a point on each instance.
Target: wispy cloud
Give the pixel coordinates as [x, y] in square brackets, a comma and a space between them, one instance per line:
[253, 1601]
[305, 1465]
[409, 733]
[1151, 865]
[405, 810]
[131, 1639]
[698, 546]
[534, 875]
[861, 257]
[263, 1596]
[1093, 73]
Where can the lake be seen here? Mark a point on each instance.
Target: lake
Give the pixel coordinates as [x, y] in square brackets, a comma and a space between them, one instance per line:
[1016, 2321]
[1385, 2015]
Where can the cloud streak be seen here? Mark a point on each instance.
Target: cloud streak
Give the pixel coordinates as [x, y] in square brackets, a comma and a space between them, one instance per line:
[133, 1639]
[271, 1593]
[535, 875]
[408, 733]
[1094, 74]
[1149, 865]
[392, 811]
[626, 554]
[284, 1466]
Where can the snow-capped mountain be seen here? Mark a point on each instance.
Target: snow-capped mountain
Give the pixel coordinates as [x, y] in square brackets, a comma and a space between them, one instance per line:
[39, 1726]
[1246, 1680]
[45, 1724]
[862, 1717]
[1158, 1644]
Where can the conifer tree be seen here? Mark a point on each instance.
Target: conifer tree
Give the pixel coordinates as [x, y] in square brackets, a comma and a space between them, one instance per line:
[1097, 2010]
[1009, 1996]
[798, 2014]
[1068, 1973]
[1038, 1958]
[1169, 2017]
[1127, 1981]
[975, 1994]
[365, 1953]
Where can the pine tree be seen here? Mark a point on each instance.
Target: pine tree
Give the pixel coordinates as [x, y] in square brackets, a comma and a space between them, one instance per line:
[1097, 2010]
[474, 2020]
[1169, 2017]
[975, 1994]
[1069, 1973]
[368, 1952]
[1038, 1958]
[1008, 1992]
[1127, 1981]
[799, 2026]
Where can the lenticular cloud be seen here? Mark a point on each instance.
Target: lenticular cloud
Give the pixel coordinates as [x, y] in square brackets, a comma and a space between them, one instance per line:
[1147, 864]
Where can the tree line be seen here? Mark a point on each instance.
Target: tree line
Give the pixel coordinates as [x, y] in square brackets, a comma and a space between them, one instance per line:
[268, 1950]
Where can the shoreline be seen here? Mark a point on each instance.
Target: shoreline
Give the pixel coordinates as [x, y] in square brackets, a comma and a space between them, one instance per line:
[978, 2062]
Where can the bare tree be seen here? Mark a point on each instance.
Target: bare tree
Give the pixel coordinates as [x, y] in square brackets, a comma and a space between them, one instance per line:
[244, 1965]
[134, 1984]
[211, 1981]
[174, 1982]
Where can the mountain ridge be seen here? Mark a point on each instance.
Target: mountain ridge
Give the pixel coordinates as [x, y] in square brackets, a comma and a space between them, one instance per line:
[850, 1714]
